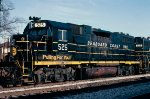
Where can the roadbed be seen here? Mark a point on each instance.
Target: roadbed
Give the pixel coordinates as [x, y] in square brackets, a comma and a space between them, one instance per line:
[16, 92]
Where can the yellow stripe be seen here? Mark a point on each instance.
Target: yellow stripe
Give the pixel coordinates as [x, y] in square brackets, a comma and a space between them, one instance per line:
[39, 42]
[142, 51]
[71, 51]
[55, 50]
[102, 53]
[131, 55]
[82, 52]
[81, 62]
[19, 50]
[22, 50]
[63, 40]
[115, 54]
[82, 45]
[22, 41]
[26, 68]
[39, 50]
[42, 42]
[127, 49]
[95, 53]
[55, 42]
[25, 75]
[72, 43]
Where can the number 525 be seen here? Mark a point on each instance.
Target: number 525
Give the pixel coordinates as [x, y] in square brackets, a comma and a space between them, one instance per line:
[62, 47]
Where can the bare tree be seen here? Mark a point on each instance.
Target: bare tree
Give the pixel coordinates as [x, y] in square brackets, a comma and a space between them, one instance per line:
[7, 23]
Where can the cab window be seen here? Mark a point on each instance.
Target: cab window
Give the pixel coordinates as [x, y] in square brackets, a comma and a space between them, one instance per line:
[62, 35]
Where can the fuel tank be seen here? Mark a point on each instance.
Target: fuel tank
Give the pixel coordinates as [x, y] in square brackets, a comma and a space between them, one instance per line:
[95, 72]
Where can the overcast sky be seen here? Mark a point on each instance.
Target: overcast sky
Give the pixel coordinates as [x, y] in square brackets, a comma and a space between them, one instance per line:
[128, 16]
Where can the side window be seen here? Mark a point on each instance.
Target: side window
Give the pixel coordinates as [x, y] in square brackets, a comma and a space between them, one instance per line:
[62, 35]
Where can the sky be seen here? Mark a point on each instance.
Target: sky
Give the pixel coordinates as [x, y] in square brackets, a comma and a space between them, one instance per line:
[128, 16]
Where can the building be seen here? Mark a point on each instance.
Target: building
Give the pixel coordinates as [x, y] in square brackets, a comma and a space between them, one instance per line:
[4, 49]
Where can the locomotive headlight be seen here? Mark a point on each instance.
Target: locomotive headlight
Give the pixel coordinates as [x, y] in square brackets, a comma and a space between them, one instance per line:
[13, 51]
[40, 25]
[22, 38]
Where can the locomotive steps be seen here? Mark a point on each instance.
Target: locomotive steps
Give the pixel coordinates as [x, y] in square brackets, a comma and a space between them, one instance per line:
[67, 86]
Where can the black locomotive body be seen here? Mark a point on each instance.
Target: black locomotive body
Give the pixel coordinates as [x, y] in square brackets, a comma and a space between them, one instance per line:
[54, 51]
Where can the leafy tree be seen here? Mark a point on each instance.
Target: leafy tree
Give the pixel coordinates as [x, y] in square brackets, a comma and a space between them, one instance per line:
[8, 24]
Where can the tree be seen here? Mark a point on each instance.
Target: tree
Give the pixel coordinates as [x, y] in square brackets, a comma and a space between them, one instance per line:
[7, 24]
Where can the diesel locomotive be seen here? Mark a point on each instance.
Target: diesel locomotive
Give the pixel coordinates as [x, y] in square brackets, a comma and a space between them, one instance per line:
[54, 51]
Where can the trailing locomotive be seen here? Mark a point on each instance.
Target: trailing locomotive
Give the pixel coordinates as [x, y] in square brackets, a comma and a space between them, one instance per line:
[54, 51]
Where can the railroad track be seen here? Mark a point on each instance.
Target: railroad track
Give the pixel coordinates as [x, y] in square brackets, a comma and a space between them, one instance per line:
[65, 86]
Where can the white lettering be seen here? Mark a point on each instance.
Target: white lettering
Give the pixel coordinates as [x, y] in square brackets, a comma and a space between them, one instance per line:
[114, 46]
[125, 46]
[62, 47]
[97, 44]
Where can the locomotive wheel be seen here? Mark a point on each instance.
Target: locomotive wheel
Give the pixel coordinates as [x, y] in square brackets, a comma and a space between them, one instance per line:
[17, 81]
[4, 84]
[39, 78]
[35, 79]
[14, 80]
[14, 83]
[53, 79]
[58, 75]
[70, 74]
[65, 77]
[62, 75]
[20, 82]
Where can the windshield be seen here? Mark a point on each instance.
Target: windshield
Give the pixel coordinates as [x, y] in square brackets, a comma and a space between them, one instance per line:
[38, 32]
